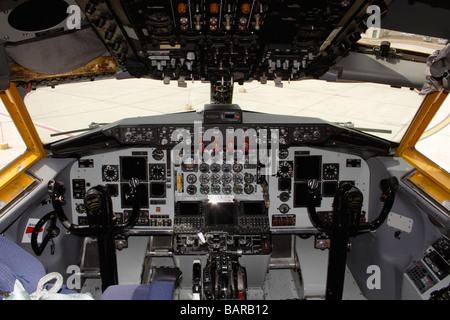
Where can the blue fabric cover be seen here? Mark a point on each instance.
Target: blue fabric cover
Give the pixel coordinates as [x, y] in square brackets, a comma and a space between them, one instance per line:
[161, 290]
[126, 292]
[156, 290]
[7, 279]
[16, 263]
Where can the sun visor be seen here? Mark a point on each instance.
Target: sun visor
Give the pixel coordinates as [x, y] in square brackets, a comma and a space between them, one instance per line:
[58, 54]
[424, 17]
[369, 68]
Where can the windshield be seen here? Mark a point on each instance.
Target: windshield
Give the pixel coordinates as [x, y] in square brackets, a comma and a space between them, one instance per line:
[378, 109]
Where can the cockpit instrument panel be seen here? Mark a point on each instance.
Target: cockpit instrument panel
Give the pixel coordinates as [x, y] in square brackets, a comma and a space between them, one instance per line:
[219, 190]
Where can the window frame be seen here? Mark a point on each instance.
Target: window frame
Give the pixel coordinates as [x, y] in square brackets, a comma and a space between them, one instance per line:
[428, 176]
[13, 177]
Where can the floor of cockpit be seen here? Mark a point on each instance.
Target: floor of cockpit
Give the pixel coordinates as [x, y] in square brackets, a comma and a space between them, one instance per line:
[279, 284]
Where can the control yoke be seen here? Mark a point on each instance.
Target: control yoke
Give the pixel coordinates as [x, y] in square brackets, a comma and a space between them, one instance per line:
[102, 224]
[346, 222]
[347, 206]
[101, 218]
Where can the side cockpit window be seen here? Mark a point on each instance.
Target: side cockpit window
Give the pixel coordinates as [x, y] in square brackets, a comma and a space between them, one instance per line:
[425, 146]
[435, 140]
[20, 148]
[12, 145]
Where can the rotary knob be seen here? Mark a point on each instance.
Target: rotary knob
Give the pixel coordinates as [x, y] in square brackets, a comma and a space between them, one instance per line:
[128, 135]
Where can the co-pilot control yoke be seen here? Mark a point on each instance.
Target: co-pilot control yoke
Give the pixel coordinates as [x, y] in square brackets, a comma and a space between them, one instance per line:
[346, 222]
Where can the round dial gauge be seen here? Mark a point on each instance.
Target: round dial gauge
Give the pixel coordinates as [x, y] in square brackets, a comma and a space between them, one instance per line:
[237, 189]
[204, 167]
[283, 153]
[285, 169]
[226, 189]
[284, 196]
[284, 208]
[191, 178]
[226, 178]
[248, 189]
[237, 167]
[226, 167]
[157, 172]
[110, 173]
[215, 178]
[215, 189]
[204, 178]
[330, 171]
[191, 189]
[158, 154]
[248, 177]
[215, 167]
[204, 189]
[237, 178]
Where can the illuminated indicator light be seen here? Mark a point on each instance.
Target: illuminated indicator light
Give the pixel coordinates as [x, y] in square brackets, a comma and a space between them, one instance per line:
[184, 21]
[158, 209]
[181, 8]
[214, 8]
[245, 8]
[213, 21]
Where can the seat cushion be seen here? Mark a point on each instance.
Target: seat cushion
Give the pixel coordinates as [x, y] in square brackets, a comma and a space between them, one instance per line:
[161, 290]
[126, 292]
[19, 264]
[7, 279]
[156, 290]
